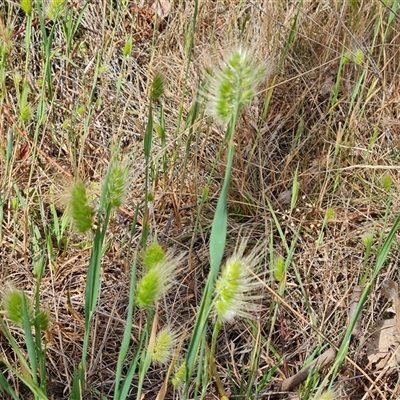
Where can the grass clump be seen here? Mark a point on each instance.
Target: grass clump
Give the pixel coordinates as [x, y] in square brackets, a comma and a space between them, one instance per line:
[164, 287]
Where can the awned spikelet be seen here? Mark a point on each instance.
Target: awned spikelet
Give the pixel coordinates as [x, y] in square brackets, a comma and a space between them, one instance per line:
[13, 306]
[237, 289]
[157, 281]
[234, 84]
[153, 255]
[117, 183]
[26, 6]
[80, 210]
[179, 378]
[164, 346]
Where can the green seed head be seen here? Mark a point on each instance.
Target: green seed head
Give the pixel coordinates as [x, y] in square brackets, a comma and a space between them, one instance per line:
[368, 240]
[179, 378]
[157, 281]
[164, 346]
[279, 270]
[80, 110]
[56, 8]
[44, 320]
[387, 182]
[117, 183]
[149, 289]
[347, 57]
[157, 87]
[330, 214]
[81, 212]
[153, 255]
[26, 6]
[328, 395]
[236, 288]
[233, 85]
[12, 304]
[26, 113]
[358, 57]
[127, 47]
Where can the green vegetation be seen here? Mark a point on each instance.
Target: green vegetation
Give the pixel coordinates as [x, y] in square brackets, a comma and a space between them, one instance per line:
[198, 199]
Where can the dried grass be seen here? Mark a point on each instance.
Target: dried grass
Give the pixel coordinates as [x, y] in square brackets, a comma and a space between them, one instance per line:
[268, 153]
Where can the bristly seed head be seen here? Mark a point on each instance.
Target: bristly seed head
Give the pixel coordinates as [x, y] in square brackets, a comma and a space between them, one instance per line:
[26, 6]
[13, 300]
[236, 290]
[179, 378]
[164, 346]
[328, 395]
[157, 281]
[55, 8]
[234, 84]
[117, 182]
[81, 211]
[153, 255]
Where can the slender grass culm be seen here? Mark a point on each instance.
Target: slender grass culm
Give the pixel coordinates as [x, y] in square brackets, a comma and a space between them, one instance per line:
[229, 89]
[81, 212]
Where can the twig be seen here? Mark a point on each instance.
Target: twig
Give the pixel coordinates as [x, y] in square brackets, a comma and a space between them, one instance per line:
[321, 361]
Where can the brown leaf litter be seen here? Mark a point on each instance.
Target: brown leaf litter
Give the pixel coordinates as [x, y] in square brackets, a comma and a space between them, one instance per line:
[383, 346]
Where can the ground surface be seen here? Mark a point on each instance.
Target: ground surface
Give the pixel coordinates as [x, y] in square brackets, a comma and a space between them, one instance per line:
[336, 125]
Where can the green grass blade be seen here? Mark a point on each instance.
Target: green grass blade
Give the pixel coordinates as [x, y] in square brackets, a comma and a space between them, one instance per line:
[343, 349]
[126, 384]
[30, 344]
[6, 387]
[127, 332]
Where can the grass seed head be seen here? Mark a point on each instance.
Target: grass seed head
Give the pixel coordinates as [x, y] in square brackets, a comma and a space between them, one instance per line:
[387, 182]
[127, 47]
[279, 270]
[26, 113]
[153, 255]
[157, 87]
[81, 212]
[328, 395]
[164, 346]
[368, 239]
[236, 288]
[117, 183]
[234, 84]
[156, 282]
[12, 305]
[26, 6]
[56, 8]
[179, 378]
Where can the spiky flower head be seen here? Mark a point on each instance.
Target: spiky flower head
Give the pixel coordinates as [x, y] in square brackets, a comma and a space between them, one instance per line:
[81, 211]
[157, 281]
[164, 345]
[368, 239]
[234, 84]
[26, 6]
[117, 182]
[158, 86]
[153, 255]
[237, 289]
[55, 8]
[26, 113]
[179, 378]
[387, 182]
[14, 301]
[328, 395]
[279, 268]
[127, 47]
